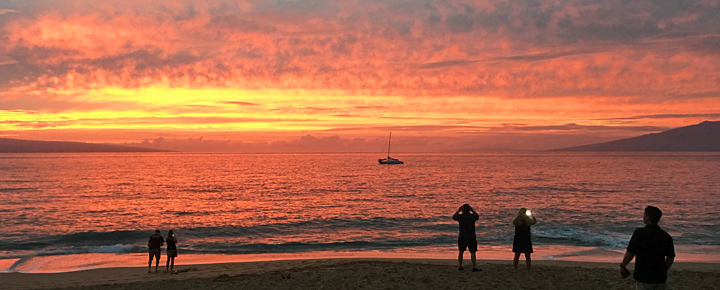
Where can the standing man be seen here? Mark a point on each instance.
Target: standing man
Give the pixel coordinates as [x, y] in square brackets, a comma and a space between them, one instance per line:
[154, 244]
[653, 251]
[466, 239]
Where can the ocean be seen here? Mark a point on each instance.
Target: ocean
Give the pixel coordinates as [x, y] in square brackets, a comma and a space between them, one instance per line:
[81, 207]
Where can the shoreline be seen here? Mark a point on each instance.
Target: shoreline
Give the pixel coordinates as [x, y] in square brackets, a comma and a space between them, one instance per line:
[364, 273]
[89, 261]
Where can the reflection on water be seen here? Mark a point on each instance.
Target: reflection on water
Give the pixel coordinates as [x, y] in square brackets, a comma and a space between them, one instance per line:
[62, 204]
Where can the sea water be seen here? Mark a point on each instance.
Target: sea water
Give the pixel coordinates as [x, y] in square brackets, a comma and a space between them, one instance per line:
[104, 207]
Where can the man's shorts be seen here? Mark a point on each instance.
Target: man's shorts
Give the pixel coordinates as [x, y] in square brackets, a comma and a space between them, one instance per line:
[154, 252]
[467, 243]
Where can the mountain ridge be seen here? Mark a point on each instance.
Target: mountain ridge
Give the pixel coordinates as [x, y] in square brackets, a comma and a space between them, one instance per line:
[9, 145]
[702, 137]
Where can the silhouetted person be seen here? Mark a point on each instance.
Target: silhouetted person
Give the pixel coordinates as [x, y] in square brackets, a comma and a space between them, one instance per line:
[171, 251]
[522, 242]
[154, 244]
[653, 251]
[466, 239]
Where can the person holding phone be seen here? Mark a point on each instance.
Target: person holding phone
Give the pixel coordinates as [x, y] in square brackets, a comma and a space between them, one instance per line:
[171, 251]
[522, 242]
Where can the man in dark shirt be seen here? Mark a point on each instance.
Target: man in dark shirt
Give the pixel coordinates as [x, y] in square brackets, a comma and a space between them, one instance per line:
[154, 244]
[466, 239]
[653, 251]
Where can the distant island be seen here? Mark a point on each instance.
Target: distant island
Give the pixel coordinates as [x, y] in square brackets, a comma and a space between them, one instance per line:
[8, 145]
[700, 137]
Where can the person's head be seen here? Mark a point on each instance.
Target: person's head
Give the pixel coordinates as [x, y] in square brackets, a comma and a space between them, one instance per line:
[652, 215]
[157, 232]
[170, 233]
[466, 208]
[522, 212]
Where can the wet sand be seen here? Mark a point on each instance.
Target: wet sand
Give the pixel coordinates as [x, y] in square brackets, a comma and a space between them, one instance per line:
[370, 273]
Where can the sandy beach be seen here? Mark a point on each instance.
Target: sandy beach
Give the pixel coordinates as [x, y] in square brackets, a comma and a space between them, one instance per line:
[372, 273]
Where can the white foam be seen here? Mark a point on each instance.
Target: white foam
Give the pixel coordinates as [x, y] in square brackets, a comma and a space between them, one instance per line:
[584, 237]
[114, 249]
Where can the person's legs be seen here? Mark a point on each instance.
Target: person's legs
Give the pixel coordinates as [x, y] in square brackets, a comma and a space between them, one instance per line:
[172, 263]
[460, 259]
[527, 261]
[462, 246]
[473, 249]
[516, 260]
[151, 253]
[167, 264]
[157, 260]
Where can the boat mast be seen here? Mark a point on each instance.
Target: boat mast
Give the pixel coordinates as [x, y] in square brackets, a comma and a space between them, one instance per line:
[389, 139]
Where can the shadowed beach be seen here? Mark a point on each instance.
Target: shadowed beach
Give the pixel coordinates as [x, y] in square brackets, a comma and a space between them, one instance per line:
[364, 274]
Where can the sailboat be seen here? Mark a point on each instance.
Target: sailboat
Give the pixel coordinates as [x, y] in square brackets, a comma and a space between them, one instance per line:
[389, 160]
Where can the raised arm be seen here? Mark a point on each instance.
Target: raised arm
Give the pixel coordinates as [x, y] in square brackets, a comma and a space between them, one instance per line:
[475, 215]
[456, 215]
[472, 210]
[534, 220]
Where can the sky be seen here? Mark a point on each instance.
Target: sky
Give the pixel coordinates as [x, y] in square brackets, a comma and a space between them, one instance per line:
[335, 75]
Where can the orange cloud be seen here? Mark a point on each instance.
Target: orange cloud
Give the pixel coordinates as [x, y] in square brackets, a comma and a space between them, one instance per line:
[334, 65]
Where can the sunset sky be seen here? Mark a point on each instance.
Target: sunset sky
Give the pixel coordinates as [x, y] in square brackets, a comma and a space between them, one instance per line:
[452, 74]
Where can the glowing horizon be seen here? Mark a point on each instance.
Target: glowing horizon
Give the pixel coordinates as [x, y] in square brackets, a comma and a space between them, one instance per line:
[125, 71]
